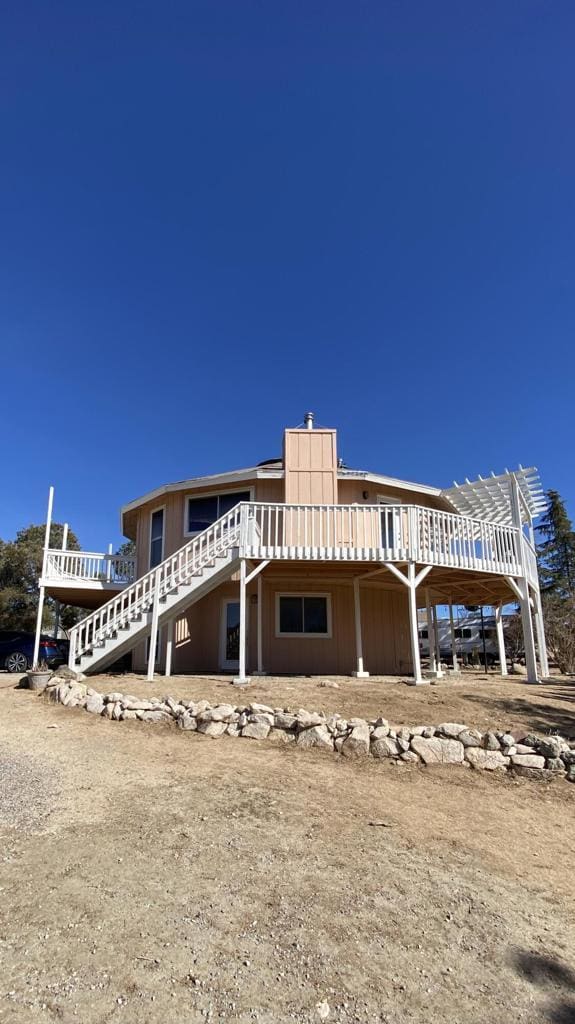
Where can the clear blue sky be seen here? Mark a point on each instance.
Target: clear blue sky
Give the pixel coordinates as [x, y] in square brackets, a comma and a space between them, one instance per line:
[216, 215]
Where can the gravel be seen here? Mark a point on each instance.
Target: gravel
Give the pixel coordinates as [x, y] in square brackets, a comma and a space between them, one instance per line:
[27, 792]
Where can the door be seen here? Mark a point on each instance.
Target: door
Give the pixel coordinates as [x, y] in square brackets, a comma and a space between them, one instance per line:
[390, 523]
[230, 635]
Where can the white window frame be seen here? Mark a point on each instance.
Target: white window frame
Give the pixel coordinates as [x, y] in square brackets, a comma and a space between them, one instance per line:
[209, 494]
[303, 636]
[160, 508]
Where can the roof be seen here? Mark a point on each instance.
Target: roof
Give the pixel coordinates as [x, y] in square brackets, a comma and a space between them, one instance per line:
[491, 498]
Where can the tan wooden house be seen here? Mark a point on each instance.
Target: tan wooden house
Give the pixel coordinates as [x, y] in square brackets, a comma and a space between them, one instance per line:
[302, 566]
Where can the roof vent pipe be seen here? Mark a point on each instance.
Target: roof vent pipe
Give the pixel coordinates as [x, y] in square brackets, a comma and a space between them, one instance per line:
[308, 420]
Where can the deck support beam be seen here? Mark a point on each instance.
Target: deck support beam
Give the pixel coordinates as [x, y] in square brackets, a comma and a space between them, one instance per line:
[42, 589]
[500, 639]
[454, 661]
[520, 588]
[412, 581]
[260, 671]
[169, 646]
[541, 640]
[438, 671]
[241, 679]
[360, 673]
[154, 631]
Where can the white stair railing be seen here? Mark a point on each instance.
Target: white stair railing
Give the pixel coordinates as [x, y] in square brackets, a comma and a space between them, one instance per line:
[176, 570]
[89, 566]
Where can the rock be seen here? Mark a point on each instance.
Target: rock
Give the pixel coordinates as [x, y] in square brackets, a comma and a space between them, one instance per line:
[517, 669]
[490, 741]
[256, 730]
[531, 740]
[76, 692]
[535, 774]
[409, 756]
[384, 746]
[568, 756]
[213, 729]
[553, 746]
[555, 764]
[450, 729]
[470, 738]
[330, 683]
[489, 760]
[155, 716]
[117, 710]
[137, 704]
[129, 715]
[108, 710]
[357, 743]
[221, 713]
[438, 751]
[404, 734]
[95, 704]
[523, 748]
[338, 743]
[322, 1009]
[282, 736]
[528, 761]
[507, 740]
[260, 708]
[570, 773]
[380, 732]
[262, 718]
[428, 732]
[284, 720]
[187, 722]
[63, 672]
[402, 744]
[233, 729]
[307, 718]
[316, 736]
[418, 730]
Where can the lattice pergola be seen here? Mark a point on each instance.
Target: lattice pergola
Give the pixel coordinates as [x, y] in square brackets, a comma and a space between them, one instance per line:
[491, 499]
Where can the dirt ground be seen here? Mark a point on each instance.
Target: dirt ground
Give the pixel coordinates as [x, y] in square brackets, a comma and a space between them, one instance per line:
[480, 701]
[149, 875]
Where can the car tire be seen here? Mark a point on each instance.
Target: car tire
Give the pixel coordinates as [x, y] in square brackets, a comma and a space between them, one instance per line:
[16, 662]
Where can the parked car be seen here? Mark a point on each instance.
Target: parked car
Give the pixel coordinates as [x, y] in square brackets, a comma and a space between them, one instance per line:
[17, 650]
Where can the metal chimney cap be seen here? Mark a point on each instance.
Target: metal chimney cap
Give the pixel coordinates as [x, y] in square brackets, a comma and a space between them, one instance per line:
[308, 420]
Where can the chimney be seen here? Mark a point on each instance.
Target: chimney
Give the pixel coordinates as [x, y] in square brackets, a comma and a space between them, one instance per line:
[310, 464]
[308, 420]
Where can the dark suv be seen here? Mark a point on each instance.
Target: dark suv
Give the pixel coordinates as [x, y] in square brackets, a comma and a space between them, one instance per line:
[17, 650]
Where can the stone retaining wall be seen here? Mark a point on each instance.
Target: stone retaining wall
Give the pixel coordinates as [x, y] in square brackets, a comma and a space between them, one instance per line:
[448, 743]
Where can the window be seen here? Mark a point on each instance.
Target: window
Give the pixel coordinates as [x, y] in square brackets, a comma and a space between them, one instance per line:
[156, 537]
[202, 512]
[303, 615]
[487, 634]
[463, 634]
[423, 634]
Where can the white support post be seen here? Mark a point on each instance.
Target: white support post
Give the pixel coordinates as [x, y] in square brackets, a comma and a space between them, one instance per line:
[430, 632]
[57, 603]
[439, 673]
[154, 632]
[418, 679]
[241, 678]
[41, 594]
[169, 646]
[360, 673]
[500, 639]
[454, 660]
[109, 566]
[541, 641]
[260, 636]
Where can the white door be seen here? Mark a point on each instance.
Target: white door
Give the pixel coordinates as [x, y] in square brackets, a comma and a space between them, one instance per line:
[230, 635]
[390, 523]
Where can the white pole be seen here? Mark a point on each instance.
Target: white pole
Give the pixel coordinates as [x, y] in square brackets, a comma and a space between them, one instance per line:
[500, 639]
[241, 677]
[528, 637]
[453, 643]
[260, 627]
[109, 567]
[154, 632]
[169, 646]
[360, 673]
[439, 670]
[41, 594]
[57, 604]
[430, 632]
[541, 641]
[413, 626]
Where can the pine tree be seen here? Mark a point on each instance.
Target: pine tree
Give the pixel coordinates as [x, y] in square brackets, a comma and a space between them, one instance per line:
[556, 553]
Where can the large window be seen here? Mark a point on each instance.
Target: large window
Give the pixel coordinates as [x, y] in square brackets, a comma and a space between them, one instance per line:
[202, 512]
[156, 537]
[303, 615]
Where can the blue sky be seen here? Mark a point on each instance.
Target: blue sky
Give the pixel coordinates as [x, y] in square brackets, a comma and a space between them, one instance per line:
[214, 216]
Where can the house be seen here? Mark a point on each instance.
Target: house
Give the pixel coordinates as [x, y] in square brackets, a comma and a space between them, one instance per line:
[301, 565]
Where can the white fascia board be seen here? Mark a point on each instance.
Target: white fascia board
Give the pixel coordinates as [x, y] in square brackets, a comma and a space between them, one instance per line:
[235, 476]
[388, 481]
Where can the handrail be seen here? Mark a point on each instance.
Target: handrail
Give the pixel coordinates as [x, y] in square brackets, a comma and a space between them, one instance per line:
[88, 566]
[175, 570]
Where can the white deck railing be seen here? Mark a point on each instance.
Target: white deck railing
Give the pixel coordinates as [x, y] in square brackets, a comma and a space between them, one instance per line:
[87, 567]
[177, 569]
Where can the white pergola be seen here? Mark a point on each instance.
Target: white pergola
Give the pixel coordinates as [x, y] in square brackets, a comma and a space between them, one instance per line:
[492, 497]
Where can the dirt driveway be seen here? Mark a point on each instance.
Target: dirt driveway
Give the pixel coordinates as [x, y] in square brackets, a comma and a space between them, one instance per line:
[153, 876]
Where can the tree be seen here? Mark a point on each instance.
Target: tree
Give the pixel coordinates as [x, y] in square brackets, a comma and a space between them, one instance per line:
[559, 618]
[556, 554]
[20, 568]
[128, 548]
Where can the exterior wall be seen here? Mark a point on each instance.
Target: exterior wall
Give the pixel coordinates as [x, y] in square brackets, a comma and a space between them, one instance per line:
[385, 627]
[351, 493]
[310, 467]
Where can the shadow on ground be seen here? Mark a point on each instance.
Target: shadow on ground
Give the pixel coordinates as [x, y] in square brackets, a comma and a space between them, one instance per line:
[557, 979]
[539, 717]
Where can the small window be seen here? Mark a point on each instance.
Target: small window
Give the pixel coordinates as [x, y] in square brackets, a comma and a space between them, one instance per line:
[303, 615]
[423, 634]
[463, 634]
[156, 537]
[202, 512]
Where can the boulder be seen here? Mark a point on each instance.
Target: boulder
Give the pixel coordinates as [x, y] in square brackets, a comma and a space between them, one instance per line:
[233, 729]
[256, 730]
[155, 716]
[316, 736]
[470, 738]
[95, 703]
[128, 716]
[262, 718]
[553, 746]
[451, 729]
[489, 760]
[111, 698]
[410, 756]
[137, 704]
[305, 719]
[384, 746]
[380, 732]
[213, 729]
[490, 741]
[221, 713]
[555, 764]
[437, 750]
[63, 672]
[187, 722]
[357, 743]
[75, 693]
[528, 761]
[282, 736]
[260, 708]
[284, 720]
